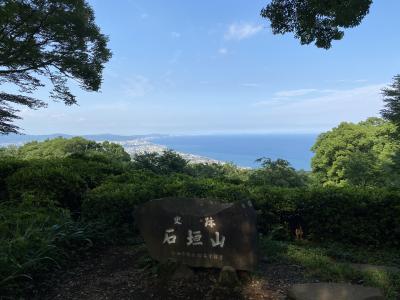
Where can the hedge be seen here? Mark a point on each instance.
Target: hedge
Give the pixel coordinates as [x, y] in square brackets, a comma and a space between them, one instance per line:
[348, 215]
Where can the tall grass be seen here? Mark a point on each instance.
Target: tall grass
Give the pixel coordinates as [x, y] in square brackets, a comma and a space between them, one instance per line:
[34, 241]
[319, 262]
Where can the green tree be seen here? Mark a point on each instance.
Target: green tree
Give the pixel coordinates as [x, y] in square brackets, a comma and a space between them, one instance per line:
[226, 171]
[9, 151]
[56, 40]
[315, 20]
[75, 147]
[48, 183]
[115, 151]
[277, 173]
[363, 154]
[391, 98]
[165, 163]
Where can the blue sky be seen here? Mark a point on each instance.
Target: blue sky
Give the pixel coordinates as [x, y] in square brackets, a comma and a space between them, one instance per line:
[198, 67]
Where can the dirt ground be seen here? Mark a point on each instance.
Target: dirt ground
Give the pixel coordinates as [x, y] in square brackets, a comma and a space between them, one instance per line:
[128, 273]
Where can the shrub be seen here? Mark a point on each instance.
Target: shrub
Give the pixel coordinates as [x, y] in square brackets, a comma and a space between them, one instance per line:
[166, 163]
[112, 204]
[48, 181]
[33, 241]
[93, 171]
[358, 216]
[73, 147]
[276, 207]
[7, 167]
[277, 173]
[351, 215]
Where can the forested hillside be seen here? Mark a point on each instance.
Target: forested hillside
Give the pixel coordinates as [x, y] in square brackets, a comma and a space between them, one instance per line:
[63, 197]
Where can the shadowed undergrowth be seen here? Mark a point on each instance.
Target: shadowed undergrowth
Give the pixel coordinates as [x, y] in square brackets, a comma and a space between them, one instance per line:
[331, 263]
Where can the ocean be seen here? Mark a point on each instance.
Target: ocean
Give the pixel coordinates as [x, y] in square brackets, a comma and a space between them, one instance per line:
[243, 150]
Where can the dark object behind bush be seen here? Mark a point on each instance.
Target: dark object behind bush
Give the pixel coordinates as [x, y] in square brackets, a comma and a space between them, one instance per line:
[347, 215]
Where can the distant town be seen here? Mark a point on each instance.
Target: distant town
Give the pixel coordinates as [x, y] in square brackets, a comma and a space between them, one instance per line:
[144, 145]
[132, 144]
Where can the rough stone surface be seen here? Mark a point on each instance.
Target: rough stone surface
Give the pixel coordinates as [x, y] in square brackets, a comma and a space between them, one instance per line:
[166, 269]
[333, 291]
[366, 268]
[200, 232]
[228, 277]
[183, 272]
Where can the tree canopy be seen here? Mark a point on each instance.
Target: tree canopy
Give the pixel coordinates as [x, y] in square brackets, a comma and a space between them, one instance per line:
[363, 154]
[52, 40]
[391, 98]
[161, 163]
[62, 148]
[321, 21]
[277, 173]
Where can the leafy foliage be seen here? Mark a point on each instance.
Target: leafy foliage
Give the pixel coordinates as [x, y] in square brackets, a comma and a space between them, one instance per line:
[318, 262]
[363, 154]
[166, 163]
[277, 173]
[56, 40]
[8, 167]
[76, 147]
[315, 20]
[226, 172]
[349, 215]
[60, 195]
[49, 183]
[392, 101]
[112, 204]
[33, 241]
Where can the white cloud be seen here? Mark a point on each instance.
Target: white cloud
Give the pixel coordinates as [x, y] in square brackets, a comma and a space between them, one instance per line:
[353, 101]
[175, 35]
[58, 115]
[294, 93]
[320, 112]
[250, 84]
[175, 57]
[348, 80]
[137, 86]
[240, 31]
[223, 51]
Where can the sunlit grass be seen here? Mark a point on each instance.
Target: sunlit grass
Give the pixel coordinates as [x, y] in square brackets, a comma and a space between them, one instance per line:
[318, 263]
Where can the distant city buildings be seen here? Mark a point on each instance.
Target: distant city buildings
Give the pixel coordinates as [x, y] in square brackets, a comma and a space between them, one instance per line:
[144, 145]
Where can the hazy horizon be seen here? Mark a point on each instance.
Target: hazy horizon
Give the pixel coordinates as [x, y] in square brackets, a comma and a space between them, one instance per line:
[240, 149]
[155, 134]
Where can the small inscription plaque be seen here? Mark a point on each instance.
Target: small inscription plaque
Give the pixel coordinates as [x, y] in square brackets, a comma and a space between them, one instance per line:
[200, 232]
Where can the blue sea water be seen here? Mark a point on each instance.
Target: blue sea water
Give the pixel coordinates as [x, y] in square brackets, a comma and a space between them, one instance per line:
[243, 150]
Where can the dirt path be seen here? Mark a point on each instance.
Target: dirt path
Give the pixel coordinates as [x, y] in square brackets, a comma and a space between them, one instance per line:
[122, 273]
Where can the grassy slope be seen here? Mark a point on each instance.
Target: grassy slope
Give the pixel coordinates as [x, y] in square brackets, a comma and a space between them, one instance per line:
[331, 263]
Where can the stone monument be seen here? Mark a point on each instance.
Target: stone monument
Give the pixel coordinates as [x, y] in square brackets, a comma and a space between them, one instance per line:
[200, 232]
